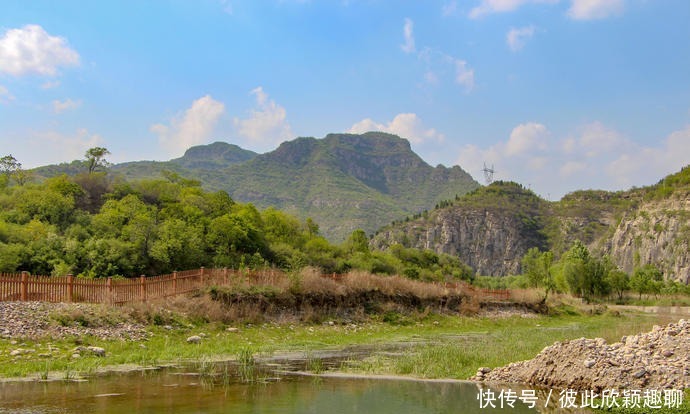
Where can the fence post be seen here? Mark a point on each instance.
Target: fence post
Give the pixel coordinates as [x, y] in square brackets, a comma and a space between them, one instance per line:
[25, 287]
[142, 289]
[225, 275]
[70, 288]
[109, 283]
[201, 276]
[175, 282]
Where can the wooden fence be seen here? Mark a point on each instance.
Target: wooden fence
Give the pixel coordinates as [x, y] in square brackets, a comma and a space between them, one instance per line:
[24, 287]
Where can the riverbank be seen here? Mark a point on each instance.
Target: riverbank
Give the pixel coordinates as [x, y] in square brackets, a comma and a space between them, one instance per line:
[419, 343]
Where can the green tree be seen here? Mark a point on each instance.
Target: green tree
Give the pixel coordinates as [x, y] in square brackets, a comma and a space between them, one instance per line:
[95, 158]
[646, 279]
[536, 266]
[10, 168]
[618, 281]
[358, 242]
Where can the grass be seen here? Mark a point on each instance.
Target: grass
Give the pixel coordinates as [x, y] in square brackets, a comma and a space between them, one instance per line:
[454, 346]
[505, 341]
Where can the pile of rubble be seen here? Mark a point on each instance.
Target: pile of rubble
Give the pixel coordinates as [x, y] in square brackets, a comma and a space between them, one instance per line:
[658, 359]
[19, 320]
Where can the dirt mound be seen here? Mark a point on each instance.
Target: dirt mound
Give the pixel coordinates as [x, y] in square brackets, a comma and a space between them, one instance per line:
[657, 359]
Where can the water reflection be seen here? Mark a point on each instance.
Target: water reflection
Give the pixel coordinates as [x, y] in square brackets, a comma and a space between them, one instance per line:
[165, 392]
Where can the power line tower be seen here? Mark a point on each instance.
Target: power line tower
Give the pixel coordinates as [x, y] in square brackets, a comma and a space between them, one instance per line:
[488, 174]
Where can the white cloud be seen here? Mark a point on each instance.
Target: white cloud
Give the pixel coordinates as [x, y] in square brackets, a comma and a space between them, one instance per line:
[449, 8]
[50, 84]
[405, 125]
[526, 138]
[194, 127]
[51, 147]
[639, 165]
[464, 75]
[571, 168]
[597, 139]
[5, 95]
[516, 38]
[501, 6]
[595, 9]
[408, 46]
[596, 156]
[267, 124]
[31, 50]
[66, 105]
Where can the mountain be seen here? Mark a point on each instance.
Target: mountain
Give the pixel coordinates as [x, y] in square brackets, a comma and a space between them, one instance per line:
[492, 227]
[343, 182]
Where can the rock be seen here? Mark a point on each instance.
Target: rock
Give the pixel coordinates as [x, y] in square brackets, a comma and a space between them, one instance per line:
[202, 335]
[76, 356]
[194, 339]
[96, 350]
[484, 370]
[17, 352]
[655, 359]
[232, 329]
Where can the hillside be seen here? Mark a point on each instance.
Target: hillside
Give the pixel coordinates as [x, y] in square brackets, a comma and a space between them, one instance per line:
[493, 227]
[343, 182]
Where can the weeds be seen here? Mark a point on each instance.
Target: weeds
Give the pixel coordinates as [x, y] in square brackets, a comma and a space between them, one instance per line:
[246, 365]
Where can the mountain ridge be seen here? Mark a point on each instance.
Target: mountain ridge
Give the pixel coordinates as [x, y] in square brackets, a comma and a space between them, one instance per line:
[342, 181]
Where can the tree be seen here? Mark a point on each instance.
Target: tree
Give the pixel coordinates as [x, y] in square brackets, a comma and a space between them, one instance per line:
[618, 280]
[536, 266]
[646, 279]
[12, 169]
[95, 158]
[9, 164]
[358, 242]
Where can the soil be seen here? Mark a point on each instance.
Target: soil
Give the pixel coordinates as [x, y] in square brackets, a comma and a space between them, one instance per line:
[659, 359]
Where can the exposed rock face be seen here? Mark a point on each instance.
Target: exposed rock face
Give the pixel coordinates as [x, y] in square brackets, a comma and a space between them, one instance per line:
[657, 233]
[492, 228]
[654, 360]
[489, 229]
[490, 241]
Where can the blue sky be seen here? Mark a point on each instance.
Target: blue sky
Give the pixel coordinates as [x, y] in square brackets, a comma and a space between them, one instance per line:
[557, 95]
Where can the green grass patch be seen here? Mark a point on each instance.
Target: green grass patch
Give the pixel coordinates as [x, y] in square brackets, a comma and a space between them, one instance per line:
[451, 346]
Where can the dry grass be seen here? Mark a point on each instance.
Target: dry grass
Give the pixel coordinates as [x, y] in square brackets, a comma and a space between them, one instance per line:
[309, 296]
[527, 295]
[359, 281]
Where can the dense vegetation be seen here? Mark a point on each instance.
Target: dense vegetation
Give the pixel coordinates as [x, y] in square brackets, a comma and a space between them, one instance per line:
[582, 274]
[94, 224]
[343, 181]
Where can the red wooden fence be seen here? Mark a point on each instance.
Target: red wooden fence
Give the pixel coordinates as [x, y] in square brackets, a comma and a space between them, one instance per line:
[24, 287]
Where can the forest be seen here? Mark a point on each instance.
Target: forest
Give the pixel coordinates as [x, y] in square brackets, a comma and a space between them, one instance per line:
[97, 224]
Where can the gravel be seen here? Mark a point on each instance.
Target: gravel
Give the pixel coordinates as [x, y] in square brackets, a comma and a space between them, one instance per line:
[33, 320]
[658, 359]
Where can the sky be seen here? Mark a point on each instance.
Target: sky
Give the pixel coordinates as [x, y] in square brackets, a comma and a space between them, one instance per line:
[558, 95]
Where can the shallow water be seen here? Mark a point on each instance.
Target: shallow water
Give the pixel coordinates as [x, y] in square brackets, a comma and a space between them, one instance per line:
[179, 392]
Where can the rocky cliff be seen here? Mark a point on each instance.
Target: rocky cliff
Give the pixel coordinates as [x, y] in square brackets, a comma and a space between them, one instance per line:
[491, 228]
[657, 232]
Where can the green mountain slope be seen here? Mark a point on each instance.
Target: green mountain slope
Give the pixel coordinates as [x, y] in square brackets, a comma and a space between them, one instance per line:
[343, 181]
